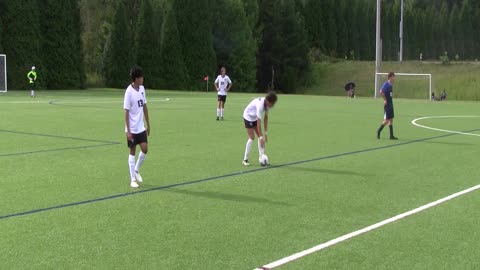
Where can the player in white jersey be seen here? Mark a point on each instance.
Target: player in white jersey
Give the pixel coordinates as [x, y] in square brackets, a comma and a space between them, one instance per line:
[252, 117]
[136, 111]
[223, 84]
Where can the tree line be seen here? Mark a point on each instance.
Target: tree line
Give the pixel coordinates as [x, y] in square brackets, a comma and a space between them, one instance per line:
[265, 44]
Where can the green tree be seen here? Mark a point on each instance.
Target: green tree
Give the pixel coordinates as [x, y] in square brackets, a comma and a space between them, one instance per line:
[283, 53]
[118, 61]
[147, 46]
[454, 20]
[314, 24]
[174, 74]
[328, 7]
[234, 43]
[342, 31]
[466, 28]
[22, 41]
[194, 20]
[62, 51]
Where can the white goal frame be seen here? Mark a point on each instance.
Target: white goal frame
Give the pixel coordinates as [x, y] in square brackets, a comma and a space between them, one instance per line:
[4, 57]
[410, 74]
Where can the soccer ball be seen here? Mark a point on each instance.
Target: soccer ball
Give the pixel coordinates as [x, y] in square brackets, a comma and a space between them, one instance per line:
[263, 160]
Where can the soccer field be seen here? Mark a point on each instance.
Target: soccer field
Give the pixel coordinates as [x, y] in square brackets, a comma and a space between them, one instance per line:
[66, 201]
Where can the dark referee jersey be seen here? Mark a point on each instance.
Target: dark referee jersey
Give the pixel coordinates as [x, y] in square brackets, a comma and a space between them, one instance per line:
[387, 90]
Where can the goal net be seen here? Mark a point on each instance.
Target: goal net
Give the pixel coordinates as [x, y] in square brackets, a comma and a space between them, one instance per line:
[409, 85]
[3, 73]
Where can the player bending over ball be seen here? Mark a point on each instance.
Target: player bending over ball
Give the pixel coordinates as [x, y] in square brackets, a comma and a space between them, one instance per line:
[387, 93]
[223, 85]
[135, 105]
[253, 123]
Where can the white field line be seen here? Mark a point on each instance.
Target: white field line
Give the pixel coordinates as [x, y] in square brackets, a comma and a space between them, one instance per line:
[364, 230]
[414, 122]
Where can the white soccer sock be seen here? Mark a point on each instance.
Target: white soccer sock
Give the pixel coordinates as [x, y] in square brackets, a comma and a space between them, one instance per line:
[221, 112]
[141, 158]
[261, 150]
[248, 148]
[218, 112]
[131, 166]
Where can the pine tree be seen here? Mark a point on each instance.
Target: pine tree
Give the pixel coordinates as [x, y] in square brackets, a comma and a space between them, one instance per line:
[342, 32]
[284, 47]
[328, 6]
[1, 31]
[22, 41]
[455, 43]
[118, 61]
[194, 22]
[174, 75]
[147, 46]
[314, 24]
[61, 47]
[234, 43]
[466, 28]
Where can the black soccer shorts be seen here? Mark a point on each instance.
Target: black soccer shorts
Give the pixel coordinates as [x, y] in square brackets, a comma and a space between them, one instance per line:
[138, 139]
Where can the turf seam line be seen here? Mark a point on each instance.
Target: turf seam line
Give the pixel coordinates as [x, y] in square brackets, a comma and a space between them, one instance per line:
[375, 226]
[219, 177]
[56, 136]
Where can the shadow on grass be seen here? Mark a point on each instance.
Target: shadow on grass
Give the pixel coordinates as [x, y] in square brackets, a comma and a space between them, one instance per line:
[227, 197]
[324, 171]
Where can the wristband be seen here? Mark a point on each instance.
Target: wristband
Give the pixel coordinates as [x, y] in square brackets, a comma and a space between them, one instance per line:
[260, 138]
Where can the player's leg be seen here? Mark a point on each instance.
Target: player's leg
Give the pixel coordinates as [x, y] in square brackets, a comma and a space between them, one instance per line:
[222, 106]
[261, 150]
[219, 106]
[384, 123]
[131, 163]
[251, 136]
[390, 126]
[143, 142]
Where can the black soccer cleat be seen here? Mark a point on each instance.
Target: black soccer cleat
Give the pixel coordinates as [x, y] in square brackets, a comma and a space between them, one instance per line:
[218, 118]
[378, 135]
[222, 119]
[393, 138]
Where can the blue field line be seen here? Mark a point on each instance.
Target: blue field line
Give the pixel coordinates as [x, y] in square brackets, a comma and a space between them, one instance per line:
[121, 195]
[57, 149]
[56, 136]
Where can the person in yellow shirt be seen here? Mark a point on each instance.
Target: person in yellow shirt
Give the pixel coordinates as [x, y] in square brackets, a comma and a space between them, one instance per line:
[32, 77]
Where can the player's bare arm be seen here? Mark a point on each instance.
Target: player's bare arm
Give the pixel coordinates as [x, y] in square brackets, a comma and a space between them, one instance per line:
[147, 118]
[265, 126]
[229, 87]
[259, 133]
[217, 87]
[127, 124]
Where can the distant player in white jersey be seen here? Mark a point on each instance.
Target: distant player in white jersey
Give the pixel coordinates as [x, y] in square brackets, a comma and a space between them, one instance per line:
[223, 84]
[136, 111]
[253, 123]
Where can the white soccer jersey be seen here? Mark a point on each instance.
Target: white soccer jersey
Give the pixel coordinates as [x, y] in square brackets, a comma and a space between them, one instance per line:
[223, 83]
[134, 102]
[254, 110]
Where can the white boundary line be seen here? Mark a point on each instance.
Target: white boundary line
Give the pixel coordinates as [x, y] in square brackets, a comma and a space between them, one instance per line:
[345, 237]
[414, 122]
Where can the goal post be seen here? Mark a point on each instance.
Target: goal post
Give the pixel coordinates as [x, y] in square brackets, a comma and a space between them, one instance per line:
[3, 73]
[417, 75]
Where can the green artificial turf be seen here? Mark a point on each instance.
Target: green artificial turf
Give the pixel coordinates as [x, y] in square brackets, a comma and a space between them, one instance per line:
[329, 176]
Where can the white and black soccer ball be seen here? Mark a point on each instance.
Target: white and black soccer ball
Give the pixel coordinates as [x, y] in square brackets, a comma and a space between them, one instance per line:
[263, 160]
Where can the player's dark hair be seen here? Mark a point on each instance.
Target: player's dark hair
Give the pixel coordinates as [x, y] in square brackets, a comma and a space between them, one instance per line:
[391, 74]
[272, 97]
[136, 72]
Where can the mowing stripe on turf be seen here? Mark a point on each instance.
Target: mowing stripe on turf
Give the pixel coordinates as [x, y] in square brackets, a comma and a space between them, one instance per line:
[345, 237]
[221, 177]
